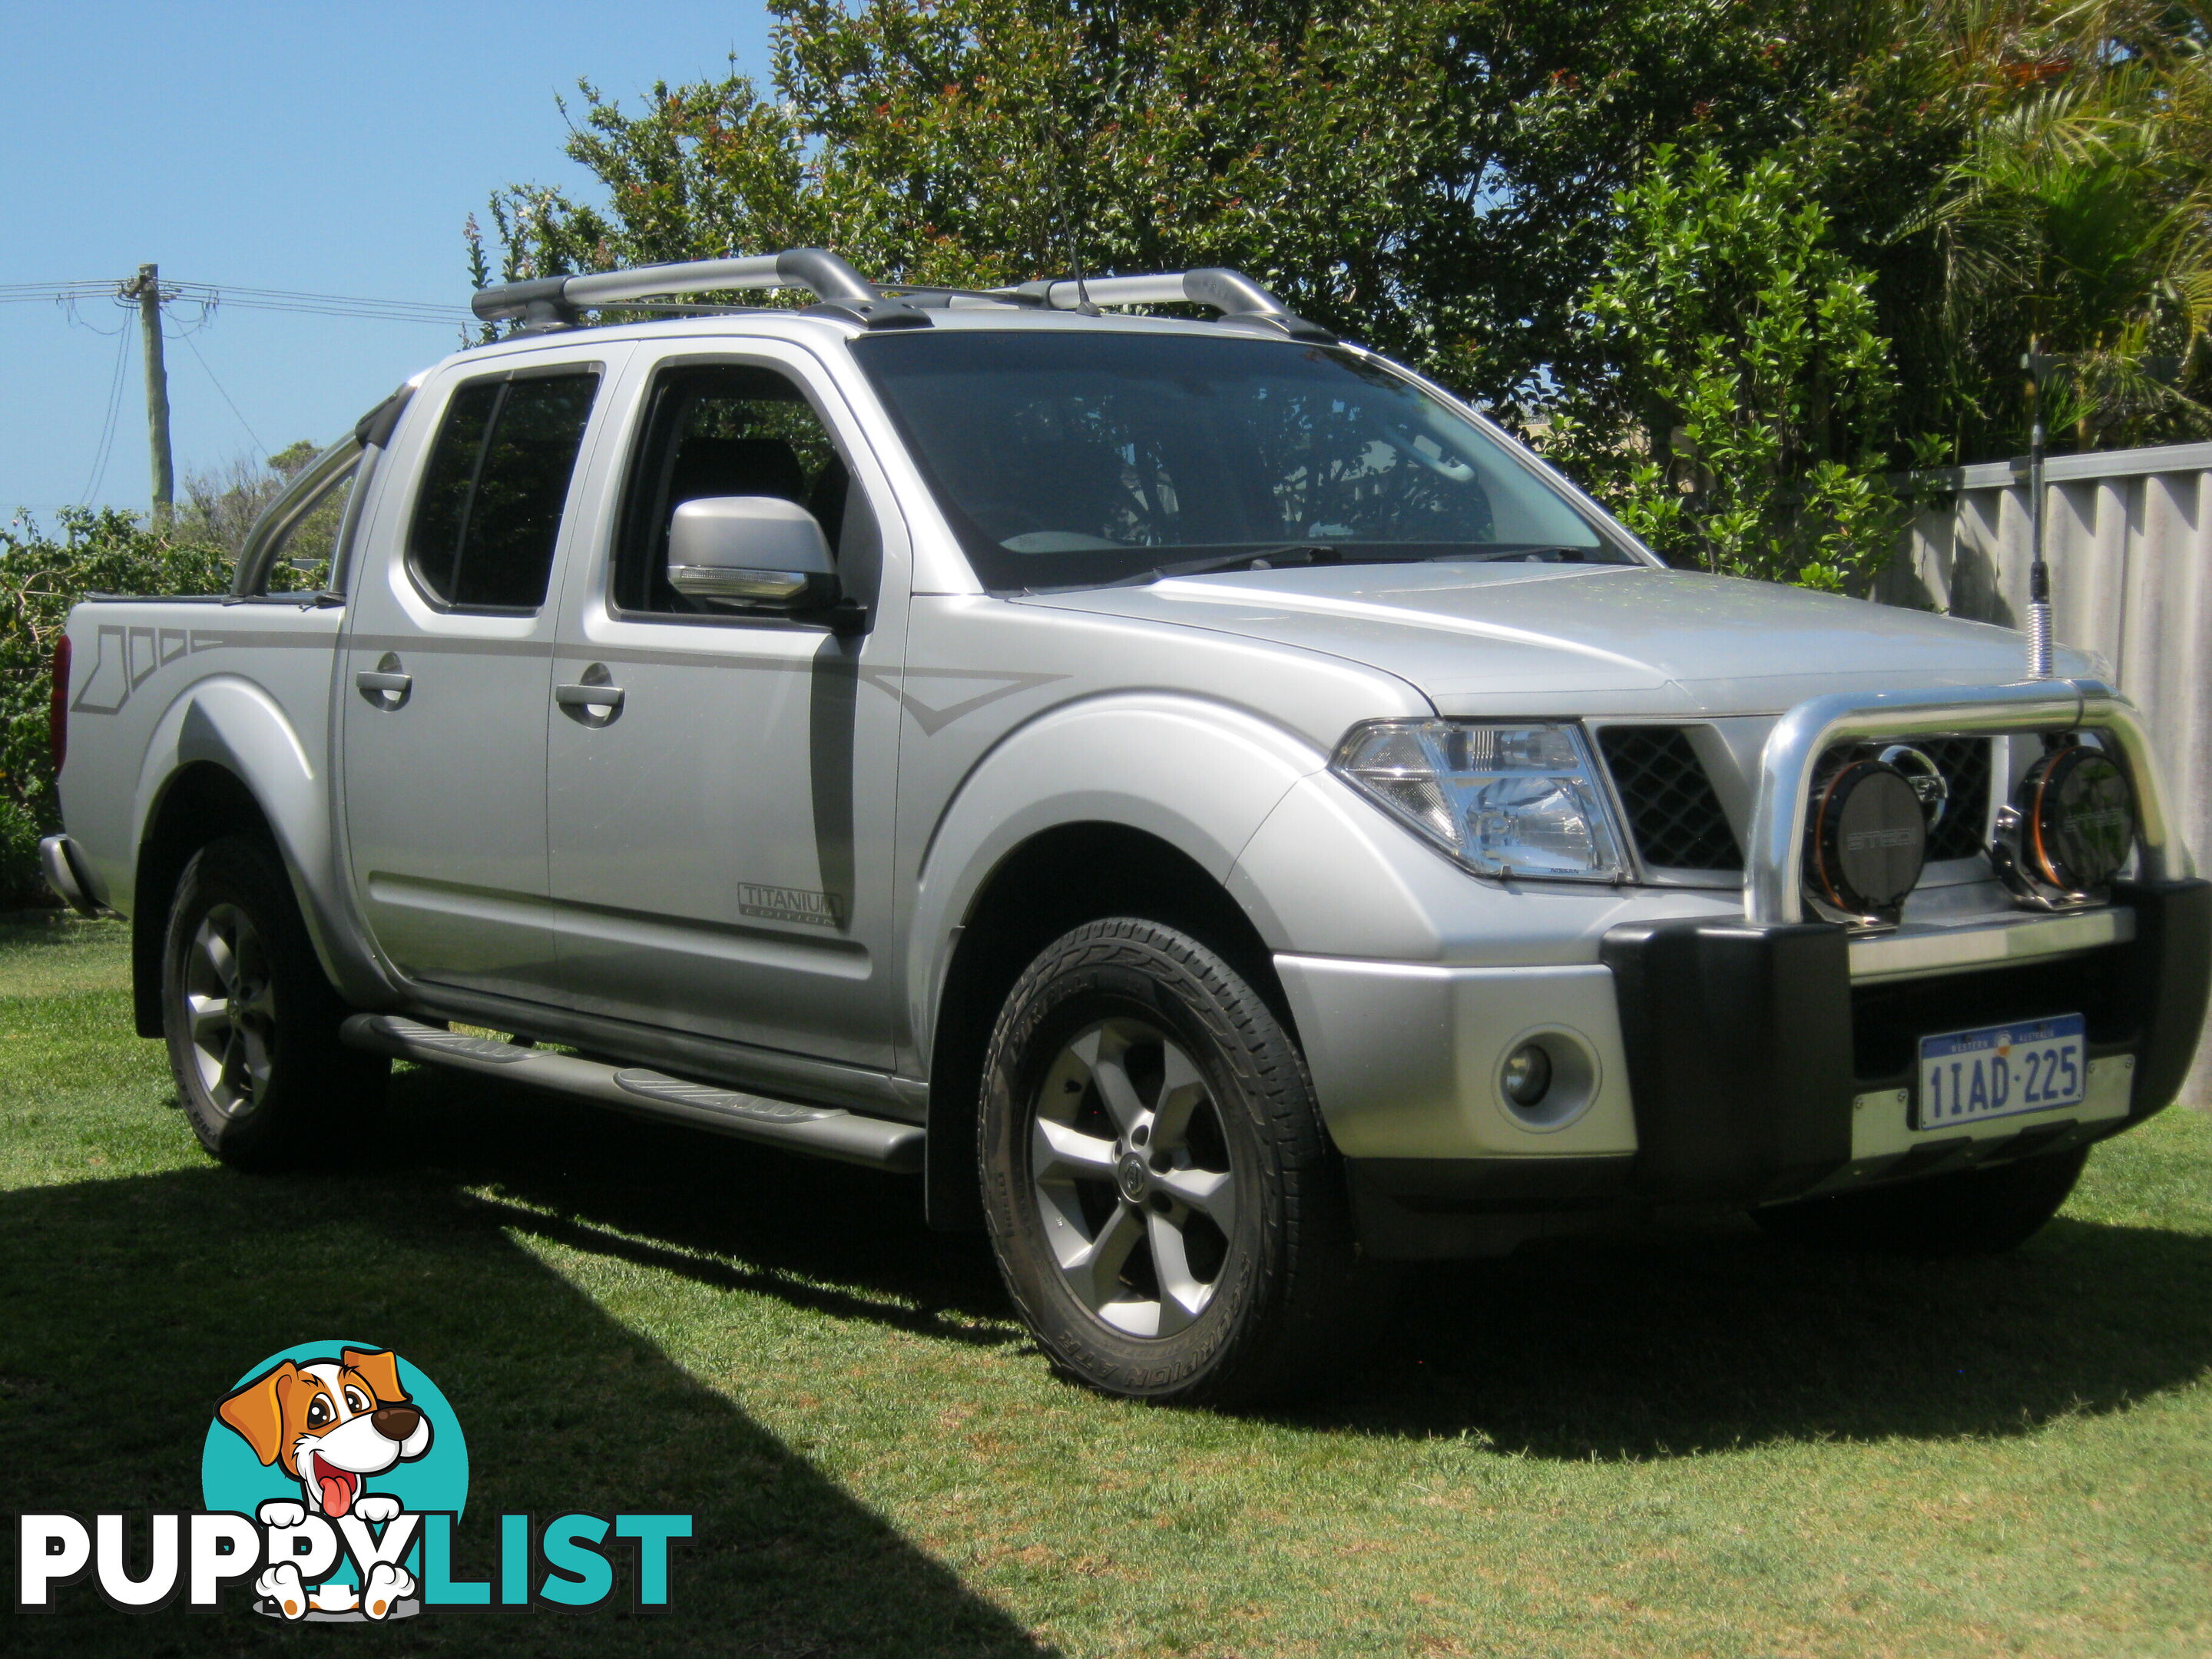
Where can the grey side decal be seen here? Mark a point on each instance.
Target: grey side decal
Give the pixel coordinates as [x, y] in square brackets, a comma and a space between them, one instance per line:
[108, 670]
[143, 660]
[934, 718]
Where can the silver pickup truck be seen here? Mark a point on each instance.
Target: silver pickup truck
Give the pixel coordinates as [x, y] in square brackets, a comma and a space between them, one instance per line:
[1205, 800]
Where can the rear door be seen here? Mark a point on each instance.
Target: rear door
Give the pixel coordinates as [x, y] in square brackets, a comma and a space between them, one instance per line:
[720, 839]
[445, 680]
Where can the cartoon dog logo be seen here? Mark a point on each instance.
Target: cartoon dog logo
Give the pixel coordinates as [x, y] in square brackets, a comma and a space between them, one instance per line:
[330, 1425]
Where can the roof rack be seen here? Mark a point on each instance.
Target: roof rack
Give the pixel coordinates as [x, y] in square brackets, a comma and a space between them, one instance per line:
[544, 302]
[1241, 303]
[840, 291]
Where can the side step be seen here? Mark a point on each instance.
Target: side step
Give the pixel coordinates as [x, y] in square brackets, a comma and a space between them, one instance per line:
[823, 1131]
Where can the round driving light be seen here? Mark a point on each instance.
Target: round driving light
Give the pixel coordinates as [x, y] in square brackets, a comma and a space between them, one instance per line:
[2079, 818]
[1528, 1076]
[1866, 838]
[1925, 776]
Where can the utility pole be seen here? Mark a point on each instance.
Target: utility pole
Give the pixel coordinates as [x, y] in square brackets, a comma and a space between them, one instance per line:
[146, 288]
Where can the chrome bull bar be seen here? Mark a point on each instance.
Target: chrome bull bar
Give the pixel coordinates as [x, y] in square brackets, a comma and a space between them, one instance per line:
[1773, 883]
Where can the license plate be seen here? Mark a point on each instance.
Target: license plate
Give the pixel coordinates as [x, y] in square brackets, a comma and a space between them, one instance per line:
[1966, 1076]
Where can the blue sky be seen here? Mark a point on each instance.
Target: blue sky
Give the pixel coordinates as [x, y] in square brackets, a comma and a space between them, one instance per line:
[330, 149]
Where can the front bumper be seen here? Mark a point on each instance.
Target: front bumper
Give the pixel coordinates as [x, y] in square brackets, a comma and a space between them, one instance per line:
[1749, 1056]
[1761, 1070]
[1739, 1061]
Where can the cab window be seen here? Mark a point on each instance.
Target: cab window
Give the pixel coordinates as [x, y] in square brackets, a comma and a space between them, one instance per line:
[732, 430]
[495, 487]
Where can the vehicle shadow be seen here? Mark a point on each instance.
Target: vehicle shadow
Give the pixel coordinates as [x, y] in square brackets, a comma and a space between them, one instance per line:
[830, 1237]
[1678, 1339]
[1641, 1342]
[132, 1303]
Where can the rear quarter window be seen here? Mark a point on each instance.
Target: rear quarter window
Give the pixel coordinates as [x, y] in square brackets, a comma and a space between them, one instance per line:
[495, 487]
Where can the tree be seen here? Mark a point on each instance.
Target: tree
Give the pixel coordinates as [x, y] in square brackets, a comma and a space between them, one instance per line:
[1430, 177]
[1755, 392]
[1438, 178]
[2016, 170]
[221, 503]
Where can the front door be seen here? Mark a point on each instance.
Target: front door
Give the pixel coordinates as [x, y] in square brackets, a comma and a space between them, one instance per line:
[720, 833]
[444, 677]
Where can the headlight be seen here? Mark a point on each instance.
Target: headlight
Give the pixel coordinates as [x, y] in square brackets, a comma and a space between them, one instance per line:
[1504, 800]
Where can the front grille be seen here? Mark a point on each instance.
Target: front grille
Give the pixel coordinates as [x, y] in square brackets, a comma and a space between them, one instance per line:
[1672, 812]
[1964, 764]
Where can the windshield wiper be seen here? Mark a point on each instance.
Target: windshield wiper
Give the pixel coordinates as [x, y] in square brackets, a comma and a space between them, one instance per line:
[1516, 550]
[1252, 558]
[1295, 554]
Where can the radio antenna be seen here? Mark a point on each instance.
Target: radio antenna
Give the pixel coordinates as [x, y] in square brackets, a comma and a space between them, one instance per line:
[2038, 573]
[1071, 232]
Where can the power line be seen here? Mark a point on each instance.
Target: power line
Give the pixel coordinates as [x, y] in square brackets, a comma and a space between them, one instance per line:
[114, 408]
[275, 299]
[210, 296]
[186, 336]
[150, 296]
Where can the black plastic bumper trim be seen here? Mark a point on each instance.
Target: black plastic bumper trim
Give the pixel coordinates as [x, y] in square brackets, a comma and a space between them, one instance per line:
[1738, 1038]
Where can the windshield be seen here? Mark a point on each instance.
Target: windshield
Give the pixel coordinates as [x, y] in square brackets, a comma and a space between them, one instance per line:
[1078, 459]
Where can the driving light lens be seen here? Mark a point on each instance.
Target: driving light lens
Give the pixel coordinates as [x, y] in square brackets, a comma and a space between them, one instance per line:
[1528, 1075]
[1504, 800]
[2081, 817]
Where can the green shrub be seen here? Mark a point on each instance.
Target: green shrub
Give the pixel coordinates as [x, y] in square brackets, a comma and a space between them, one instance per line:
[1743, 431]
[41, 576]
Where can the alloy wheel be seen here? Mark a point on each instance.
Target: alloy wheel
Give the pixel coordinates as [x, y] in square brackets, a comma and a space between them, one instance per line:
[1133, 1177]
[230, 1008]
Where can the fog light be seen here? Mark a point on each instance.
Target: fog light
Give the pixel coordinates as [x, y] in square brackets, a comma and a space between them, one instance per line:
[2070, 829]
[2080, 819]
[1865, 839]
[1528, 1075]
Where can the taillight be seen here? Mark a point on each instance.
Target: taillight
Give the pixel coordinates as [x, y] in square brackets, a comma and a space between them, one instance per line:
[57, 707]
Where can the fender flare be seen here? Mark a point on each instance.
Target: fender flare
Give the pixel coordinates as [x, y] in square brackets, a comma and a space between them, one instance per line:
[1200, 776]
[228, 722]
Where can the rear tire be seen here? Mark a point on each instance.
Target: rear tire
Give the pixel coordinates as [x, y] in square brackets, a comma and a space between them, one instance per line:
[250, 1023]
[1166, 1208]
[1969, 1212]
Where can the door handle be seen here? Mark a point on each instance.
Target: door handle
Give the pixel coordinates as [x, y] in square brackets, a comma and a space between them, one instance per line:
[594, 701]
[588, 696]
[385, 685]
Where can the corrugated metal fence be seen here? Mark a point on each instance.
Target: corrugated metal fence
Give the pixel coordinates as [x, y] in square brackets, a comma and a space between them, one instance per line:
[2129, 536]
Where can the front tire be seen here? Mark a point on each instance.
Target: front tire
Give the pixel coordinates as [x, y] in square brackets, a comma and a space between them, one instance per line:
[250, 1023]
[1167, 1211]
[1968, 1213]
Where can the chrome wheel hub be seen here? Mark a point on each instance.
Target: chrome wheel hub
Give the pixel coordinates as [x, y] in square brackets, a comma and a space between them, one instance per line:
[1129, 1164]
[229, 1010]
[1135, 1179]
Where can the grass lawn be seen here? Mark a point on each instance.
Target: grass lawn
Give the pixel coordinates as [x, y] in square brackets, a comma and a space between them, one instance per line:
[1684, 1440]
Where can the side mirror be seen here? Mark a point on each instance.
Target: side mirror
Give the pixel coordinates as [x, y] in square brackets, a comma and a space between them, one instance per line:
[751, 552]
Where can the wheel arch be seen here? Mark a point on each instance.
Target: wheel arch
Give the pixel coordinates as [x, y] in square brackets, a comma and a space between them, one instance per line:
[227, 758]
[199, 802]
[1054, 881]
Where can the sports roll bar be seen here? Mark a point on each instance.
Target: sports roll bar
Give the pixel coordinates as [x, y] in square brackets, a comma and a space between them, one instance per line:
[301, 496]
[1794, 748]
[373, 431]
